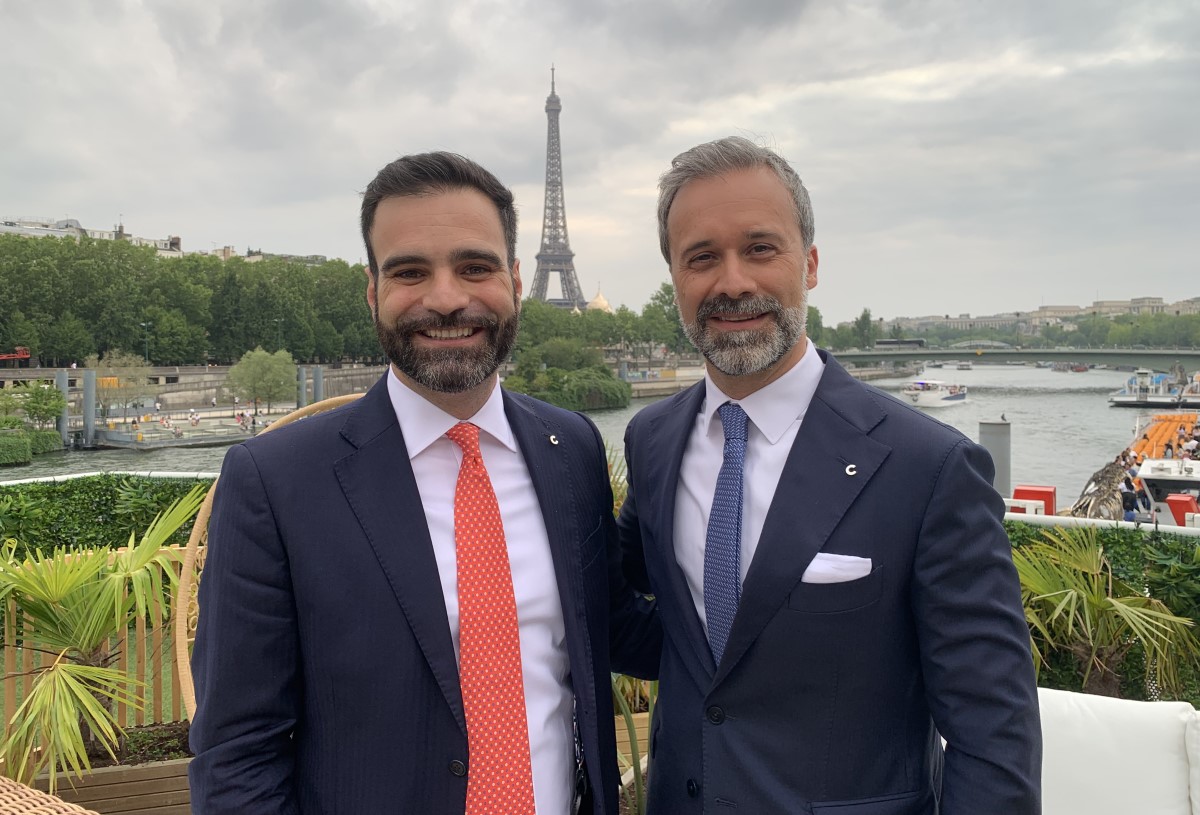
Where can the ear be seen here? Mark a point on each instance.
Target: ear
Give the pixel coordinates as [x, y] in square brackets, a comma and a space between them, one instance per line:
[811, 272]
[371, 293]
[516, 278]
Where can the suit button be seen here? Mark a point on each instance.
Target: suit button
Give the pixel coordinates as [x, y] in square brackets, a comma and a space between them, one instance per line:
[458, 768]
[716, 715]
[693, 788]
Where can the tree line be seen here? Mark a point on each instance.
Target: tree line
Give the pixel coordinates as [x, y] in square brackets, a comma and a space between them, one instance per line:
[67, 301]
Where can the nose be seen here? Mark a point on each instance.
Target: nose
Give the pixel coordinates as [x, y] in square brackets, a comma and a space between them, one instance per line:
[446, 293]
[735, 278]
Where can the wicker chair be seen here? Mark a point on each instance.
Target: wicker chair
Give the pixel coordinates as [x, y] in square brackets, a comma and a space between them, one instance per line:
[193, 563]
[18, 799]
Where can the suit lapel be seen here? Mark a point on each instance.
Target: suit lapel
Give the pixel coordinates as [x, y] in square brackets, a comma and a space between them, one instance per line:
[549, 471]
[667, 439]
[379, 486]
[831, 461]
[543, 445]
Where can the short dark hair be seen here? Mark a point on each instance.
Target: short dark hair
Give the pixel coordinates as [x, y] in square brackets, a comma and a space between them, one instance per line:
[431, 173]
[722, 156]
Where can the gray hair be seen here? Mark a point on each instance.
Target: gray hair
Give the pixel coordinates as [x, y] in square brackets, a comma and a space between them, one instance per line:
[722, 156]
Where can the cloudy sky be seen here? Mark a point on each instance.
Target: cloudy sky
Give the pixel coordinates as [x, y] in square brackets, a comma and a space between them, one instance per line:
[962, 156]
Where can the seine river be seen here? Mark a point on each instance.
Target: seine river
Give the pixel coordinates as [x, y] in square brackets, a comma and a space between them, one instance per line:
[1062, 428]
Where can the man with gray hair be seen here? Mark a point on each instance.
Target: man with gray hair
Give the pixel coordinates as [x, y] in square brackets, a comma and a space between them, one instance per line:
[835, 584]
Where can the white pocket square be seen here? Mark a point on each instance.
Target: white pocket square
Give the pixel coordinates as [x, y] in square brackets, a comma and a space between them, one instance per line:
[830, 568]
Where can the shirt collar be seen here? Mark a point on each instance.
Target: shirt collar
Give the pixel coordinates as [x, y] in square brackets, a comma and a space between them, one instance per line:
[773, 408]
[423, 422]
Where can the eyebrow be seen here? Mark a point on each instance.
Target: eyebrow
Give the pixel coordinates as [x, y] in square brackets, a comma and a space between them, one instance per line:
[687, 250]
[456, 257]
[752, 235]
[759, 234]
[485, 255]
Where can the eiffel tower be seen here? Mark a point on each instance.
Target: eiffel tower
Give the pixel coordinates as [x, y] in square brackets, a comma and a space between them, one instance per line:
[555, 255]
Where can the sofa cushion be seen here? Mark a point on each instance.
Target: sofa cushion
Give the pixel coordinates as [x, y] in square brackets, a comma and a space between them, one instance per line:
[1116, 757]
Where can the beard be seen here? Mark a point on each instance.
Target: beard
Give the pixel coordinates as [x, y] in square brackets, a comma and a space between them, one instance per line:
[448, 370]
[738, 353]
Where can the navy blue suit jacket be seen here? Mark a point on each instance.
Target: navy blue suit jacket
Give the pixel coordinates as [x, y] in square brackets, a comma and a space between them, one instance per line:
[830, 697]
[326, 680]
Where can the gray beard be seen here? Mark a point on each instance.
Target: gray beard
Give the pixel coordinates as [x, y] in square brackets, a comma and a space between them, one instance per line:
[450, 370]
[738, 353]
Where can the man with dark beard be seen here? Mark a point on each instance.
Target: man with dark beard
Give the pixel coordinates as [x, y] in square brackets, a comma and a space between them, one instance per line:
[835, 584]
[405, 603]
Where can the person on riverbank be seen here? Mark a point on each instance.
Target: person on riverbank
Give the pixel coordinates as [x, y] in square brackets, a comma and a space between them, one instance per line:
[836, 585]
[417, 580]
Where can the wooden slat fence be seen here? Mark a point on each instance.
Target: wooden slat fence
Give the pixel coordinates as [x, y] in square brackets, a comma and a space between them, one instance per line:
[144, 652]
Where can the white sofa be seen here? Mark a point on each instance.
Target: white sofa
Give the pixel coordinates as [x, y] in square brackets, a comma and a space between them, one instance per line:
[1116, 757]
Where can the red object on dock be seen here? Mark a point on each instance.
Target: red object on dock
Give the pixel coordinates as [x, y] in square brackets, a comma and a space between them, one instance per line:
[1031, 492]
[1180, 504]
[20, 352]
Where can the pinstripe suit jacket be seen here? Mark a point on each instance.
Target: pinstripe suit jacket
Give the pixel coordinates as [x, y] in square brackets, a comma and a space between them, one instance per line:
[325, 673]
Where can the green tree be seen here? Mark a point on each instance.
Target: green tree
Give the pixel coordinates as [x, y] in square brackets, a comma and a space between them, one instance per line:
[666, 324]
[541, 321]
[815, 327]
[568, 354]
[865, 331]
[10, 403]
[841, 337]
[260, 376]
[122, 380]
[66, 340]
[17, 330]
[41, 403]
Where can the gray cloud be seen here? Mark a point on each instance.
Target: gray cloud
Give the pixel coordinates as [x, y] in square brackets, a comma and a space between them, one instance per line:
[962, 157]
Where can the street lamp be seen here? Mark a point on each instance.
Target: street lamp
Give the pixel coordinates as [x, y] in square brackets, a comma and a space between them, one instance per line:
[146, 327]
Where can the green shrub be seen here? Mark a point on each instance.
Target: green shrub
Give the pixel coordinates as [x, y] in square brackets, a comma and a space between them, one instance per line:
[45, 441]
[14, 448]
[583, 389]
[1168, 566]
[12, 423]
[88, 512]
[20, 516]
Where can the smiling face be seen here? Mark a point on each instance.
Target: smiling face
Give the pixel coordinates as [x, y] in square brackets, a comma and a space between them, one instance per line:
[741, 276]
[444, 300]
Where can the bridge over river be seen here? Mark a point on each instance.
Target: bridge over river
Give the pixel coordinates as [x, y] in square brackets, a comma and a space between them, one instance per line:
[1158, 359]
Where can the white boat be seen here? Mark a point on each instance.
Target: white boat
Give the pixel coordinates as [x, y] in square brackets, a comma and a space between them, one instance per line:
[1189, 397]
[965, 365]
[1147, 389]
[1162, 478]
[934, 393]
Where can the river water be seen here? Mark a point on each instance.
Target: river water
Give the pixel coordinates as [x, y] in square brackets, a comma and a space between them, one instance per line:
[1062, 428]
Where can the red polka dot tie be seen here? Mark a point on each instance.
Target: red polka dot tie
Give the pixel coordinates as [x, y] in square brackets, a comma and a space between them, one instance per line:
[500, 778]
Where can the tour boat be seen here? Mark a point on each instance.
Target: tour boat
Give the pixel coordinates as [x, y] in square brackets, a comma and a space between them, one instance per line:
[1189, 397]
[965, 365]
[1147, 389]
[1169, 486]
[934, 393]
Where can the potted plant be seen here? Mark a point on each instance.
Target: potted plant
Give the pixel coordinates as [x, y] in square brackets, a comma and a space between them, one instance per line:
[78, 604]
[1075, 605]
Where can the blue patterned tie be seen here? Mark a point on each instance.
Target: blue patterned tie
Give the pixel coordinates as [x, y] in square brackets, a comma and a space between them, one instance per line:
[723, 546]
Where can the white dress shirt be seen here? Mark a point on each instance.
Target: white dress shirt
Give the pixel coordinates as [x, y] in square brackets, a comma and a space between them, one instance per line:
[544, 665]
[775, 413]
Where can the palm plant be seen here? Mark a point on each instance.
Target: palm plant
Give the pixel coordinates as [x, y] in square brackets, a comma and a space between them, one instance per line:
[627, 694]
[79, 604]
[616, 476]
[1074, 604]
